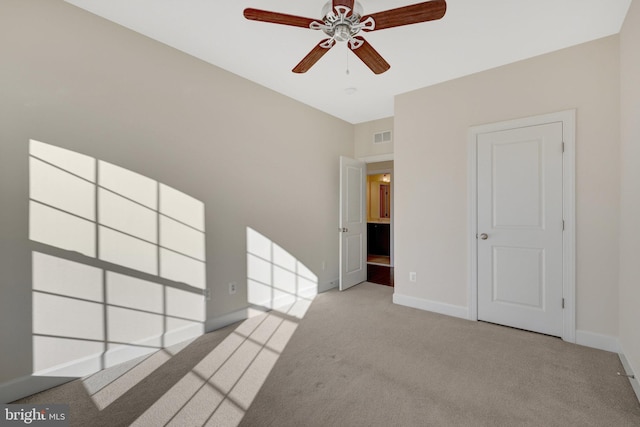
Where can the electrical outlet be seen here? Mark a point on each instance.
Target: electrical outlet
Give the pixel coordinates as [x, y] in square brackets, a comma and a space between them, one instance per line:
[412, 276]
[232, 288]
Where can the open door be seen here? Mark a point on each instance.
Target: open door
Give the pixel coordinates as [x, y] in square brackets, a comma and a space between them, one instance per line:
[353, 223]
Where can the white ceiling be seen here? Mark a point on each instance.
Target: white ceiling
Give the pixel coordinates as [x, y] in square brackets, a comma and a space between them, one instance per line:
[474, 35]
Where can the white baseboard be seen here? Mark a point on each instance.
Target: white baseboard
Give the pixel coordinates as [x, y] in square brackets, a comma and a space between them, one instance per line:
[226, 319]
[28, 385]
[324, 287]
[57, 375]
[628, 369]
[283, 300]
[599, 341]
[434, 306]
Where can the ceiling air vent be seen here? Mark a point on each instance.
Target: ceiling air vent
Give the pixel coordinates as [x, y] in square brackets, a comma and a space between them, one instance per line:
[382, 137]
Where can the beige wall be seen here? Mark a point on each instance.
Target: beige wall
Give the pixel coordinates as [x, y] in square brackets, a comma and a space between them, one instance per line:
[364, 146]
[630, 204]
[431, 128]
[71, 79]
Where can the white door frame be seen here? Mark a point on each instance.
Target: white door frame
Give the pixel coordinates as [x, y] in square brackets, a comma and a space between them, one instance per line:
[390, 172]
[386, 158]
[568, 119]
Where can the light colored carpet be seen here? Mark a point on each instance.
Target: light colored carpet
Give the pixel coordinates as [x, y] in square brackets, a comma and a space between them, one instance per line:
[356, 359]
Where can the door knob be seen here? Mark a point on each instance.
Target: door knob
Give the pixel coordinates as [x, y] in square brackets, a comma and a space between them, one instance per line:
[484, 236]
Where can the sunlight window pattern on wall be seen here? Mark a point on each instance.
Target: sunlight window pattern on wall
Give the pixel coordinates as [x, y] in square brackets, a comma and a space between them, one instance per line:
[140, 286]
[275, 278]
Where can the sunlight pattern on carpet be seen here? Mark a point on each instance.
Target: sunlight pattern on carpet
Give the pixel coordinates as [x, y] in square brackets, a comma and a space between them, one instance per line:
[220, 389]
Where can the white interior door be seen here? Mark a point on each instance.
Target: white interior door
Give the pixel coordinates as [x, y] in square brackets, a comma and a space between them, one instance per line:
[353, 223]
[520, 225]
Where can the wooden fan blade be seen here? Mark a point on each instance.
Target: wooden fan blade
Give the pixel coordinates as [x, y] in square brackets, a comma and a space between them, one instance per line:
[370, 57]
[312, 57]
[345, 3]
[413, 14]
[278, 18]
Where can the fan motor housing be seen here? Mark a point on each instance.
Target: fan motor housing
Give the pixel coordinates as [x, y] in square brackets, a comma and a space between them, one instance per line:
[341, 23]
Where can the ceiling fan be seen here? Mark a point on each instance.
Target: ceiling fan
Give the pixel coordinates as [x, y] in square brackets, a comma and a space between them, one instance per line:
[343, 20]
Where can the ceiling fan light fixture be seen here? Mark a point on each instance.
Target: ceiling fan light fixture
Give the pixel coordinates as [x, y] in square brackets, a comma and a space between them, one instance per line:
[342, 32]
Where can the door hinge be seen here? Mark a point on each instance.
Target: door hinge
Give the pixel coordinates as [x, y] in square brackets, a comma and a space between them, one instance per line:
[562, 302]
[563, 146]
[563, 225]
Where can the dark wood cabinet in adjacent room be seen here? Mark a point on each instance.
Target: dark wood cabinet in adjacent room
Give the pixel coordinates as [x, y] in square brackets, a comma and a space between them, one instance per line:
[378, 239]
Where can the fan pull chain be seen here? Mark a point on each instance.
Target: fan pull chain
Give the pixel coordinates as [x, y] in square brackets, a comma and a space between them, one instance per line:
[347, 63]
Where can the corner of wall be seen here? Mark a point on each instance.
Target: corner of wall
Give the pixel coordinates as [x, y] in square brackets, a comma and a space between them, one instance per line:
[324, 287]
[598, 341]
[226, 320]
[628, 370]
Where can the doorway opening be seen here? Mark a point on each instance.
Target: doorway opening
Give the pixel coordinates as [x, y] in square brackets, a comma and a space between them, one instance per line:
[380, 223]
